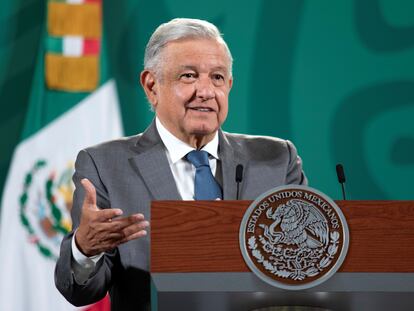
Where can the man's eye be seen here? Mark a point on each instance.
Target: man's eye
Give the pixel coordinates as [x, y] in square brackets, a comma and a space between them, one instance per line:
[188, 75]
[218, 77]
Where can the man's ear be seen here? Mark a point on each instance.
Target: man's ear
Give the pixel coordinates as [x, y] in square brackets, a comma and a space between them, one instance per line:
[150, 85]
[230, 83]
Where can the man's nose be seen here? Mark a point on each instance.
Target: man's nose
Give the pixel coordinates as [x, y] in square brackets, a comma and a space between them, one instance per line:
[205, 88]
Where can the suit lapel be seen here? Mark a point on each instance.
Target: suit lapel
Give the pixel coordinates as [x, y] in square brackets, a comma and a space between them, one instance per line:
[151, 165]
[230, 157]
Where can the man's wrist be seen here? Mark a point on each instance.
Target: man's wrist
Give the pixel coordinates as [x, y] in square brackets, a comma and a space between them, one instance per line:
[81, 258]
[78, 246]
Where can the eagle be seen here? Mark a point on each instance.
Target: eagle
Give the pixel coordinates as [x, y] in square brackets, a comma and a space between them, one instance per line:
[300, 223]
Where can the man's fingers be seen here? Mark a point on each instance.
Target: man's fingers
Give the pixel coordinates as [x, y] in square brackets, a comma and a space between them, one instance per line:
[119, 224]
[106, 230]
[123, 222]
[106, 214]
[135, 231]
[134, 236]
[115, 238]
[134, 228]
[90, 192]
[126, 235]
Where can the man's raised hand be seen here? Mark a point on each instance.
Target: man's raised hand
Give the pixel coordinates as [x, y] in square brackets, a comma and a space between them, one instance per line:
[101, 230]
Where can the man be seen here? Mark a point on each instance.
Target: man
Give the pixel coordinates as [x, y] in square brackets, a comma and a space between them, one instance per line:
[187, 79]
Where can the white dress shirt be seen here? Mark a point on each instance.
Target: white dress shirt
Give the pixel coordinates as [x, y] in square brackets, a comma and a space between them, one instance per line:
[182, 170]
[184, 175]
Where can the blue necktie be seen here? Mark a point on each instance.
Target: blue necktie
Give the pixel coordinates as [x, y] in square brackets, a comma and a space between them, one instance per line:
[206, 187]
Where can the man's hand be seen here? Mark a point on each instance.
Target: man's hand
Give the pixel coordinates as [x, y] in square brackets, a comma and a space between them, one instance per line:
[98, 230]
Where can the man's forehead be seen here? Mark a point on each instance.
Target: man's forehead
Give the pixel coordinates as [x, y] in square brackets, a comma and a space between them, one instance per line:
[196, 53]
[198, 66]
[195, 47]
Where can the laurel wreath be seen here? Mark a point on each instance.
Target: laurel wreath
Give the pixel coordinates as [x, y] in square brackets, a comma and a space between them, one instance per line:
[55, 212]
[280, 269]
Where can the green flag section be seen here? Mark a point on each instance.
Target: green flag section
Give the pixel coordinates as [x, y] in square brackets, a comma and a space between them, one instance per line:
[37, 197]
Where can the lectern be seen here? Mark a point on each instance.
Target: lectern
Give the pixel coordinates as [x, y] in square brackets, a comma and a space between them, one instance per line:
[196, 263]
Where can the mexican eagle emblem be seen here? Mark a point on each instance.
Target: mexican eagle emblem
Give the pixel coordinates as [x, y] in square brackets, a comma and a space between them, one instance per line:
[294, 237]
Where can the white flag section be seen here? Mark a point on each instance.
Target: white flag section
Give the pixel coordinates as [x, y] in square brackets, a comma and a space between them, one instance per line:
[35, 210]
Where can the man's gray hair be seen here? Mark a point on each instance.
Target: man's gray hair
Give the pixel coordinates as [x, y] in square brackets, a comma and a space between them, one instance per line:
[180, 28]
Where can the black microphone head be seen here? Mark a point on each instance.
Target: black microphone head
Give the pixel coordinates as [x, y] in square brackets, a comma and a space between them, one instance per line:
[340, 173]
[239, 173]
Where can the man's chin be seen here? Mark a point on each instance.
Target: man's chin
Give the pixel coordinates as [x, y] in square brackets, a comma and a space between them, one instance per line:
[204, 131]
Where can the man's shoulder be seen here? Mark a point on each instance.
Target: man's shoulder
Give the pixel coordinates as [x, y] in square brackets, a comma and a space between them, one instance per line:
[255, 141]
[260, 147]
[122, 144]
[245, 138]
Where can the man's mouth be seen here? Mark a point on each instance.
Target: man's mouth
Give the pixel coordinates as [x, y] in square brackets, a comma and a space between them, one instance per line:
[202, 109]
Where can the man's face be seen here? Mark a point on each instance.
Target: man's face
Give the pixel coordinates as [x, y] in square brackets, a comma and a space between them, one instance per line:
[191, 93]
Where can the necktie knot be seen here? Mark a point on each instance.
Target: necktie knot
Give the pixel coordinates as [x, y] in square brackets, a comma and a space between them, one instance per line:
[198, 158]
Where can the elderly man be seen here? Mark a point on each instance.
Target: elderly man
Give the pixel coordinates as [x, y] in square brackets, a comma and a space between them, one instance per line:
[183, 155]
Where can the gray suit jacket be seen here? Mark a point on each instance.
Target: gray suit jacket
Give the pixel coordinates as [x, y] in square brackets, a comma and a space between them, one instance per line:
[129, 173]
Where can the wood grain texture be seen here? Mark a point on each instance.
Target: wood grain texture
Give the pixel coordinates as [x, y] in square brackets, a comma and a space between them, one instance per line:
[203, 236]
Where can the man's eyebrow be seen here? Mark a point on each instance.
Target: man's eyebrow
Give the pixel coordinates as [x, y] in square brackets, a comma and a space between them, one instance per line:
[186, 67]
[195, 68]
[223, 68]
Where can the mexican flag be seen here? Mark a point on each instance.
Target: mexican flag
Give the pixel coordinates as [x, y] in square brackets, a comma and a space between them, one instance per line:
[73, 105]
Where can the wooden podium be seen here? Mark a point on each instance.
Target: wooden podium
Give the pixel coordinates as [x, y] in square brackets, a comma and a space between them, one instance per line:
[196, 263]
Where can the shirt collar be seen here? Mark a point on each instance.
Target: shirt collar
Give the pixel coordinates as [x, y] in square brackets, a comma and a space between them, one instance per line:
[177, 149]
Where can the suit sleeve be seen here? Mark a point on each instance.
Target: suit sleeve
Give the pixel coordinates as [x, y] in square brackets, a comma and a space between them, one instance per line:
[295, 174]
[99, 282]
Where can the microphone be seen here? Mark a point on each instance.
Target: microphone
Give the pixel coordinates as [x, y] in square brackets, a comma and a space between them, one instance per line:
[239, 177]
[341, 178]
